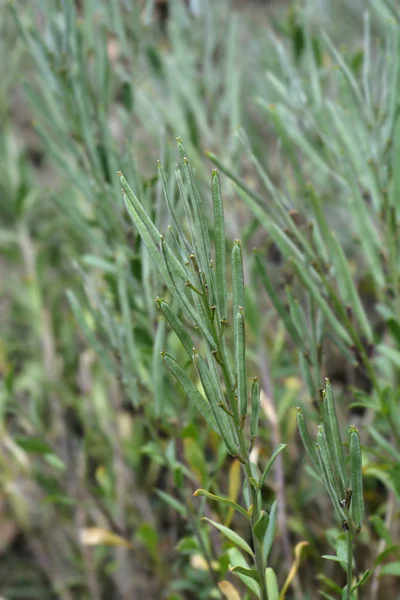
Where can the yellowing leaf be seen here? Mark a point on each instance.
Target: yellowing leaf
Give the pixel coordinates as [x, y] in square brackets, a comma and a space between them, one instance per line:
[198, 562]
[228, 590]
[234, 488]
[297, 555]
[96, 536]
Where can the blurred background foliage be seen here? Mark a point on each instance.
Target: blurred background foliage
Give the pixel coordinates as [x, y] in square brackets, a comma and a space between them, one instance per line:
[100, 451]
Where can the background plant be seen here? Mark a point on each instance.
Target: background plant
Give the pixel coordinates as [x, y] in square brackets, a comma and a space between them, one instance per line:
[91, 423]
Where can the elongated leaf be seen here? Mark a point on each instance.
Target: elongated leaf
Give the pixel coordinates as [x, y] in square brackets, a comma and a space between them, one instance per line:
[346, 72]
[139, 210]
[270, 463]
[235, 486]
[270, 533]
[177, 326]
[272, 584]
[96, 536]
[279, 307]
[297, 315]
[295, 567]
[384, 443]
[251, 573]
[365, 576]
[232, 536]
[228, 590]
[276, 233]
[392, 568]
[192, 392]
[179, 292]
[261, 526]
[279, 204]
[319, 300]
[34, 446]
[306, 439]
[148, 242]
[239, 182]
[222, 500]
[236, 558]
[223, 420]
[173, 503]
[349, 292]
[202, 240]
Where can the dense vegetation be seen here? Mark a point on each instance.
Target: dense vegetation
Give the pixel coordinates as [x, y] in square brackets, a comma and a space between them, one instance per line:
[168, 351]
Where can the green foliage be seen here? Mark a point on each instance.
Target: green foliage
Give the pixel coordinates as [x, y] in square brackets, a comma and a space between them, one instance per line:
[142, 440]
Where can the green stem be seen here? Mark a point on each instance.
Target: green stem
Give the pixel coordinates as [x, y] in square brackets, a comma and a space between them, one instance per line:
[259, 560]
[349, 564]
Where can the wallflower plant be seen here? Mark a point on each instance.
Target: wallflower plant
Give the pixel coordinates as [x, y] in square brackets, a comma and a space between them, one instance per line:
[345, 489]
[196, 280]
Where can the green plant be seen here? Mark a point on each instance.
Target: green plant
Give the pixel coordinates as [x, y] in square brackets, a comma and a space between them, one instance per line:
[196, 279]
[345, 490]
[101, 451]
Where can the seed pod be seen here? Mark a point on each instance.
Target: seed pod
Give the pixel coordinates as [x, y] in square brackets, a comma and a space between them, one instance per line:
[331, 491]
[357, 499]
[329, 466]
[334, 439]
[220, 240]
[177, 290]
[255, 407]
[306, 439]
[240, 355]
[222, 418]
[237, 281]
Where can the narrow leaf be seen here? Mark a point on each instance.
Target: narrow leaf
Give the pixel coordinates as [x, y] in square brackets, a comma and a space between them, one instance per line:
[279, 307]
[177, 326]
[192, 392]
[295, 567]
[270, 533]
[306, 439]
[223, 420]
[270, 463]
[222, 500]
[272, 584]
[232, 536]
[306, 280]
[228, 590]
